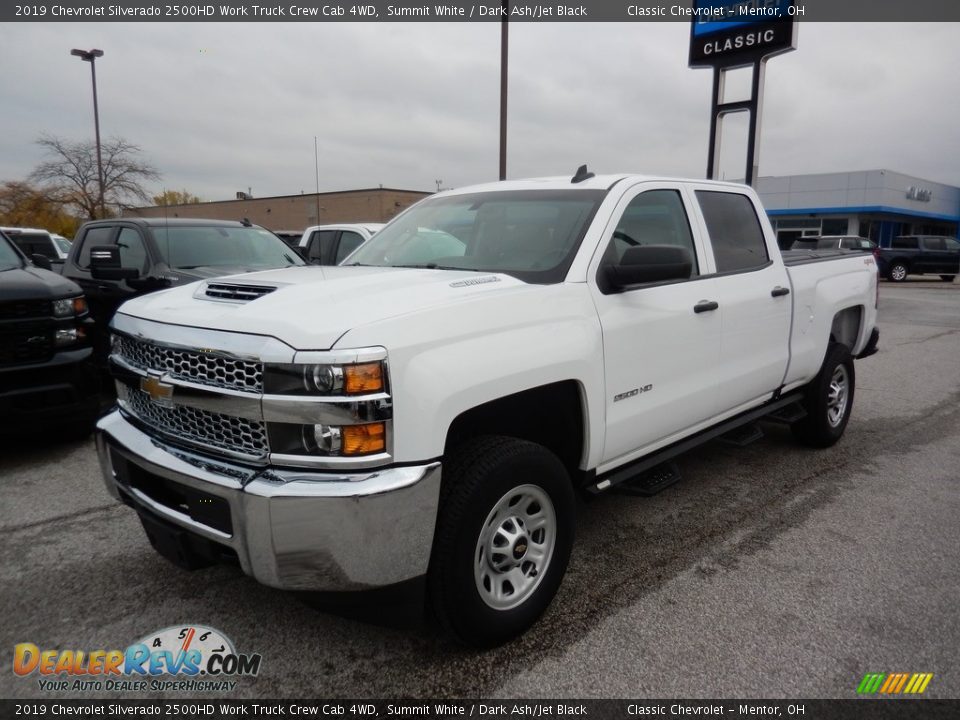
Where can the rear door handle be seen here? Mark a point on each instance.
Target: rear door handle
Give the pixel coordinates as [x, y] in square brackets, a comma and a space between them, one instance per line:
[706, 306]
[779, 291]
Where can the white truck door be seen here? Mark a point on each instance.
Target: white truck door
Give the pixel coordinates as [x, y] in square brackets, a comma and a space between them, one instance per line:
[658, 350]
[753, 290]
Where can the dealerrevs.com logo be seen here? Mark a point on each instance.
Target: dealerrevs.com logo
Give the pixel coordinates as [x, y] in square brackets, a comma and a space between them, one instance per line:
[198, 658]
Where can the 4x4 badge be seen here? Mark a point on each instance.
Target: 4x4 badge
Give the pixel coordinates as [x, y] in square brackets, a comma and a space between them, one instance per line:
[159, 391]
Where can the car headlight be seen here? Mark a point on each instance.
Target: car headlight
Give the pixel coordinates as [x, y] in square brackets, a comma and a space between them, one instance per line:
[69, 307]
[324, 379]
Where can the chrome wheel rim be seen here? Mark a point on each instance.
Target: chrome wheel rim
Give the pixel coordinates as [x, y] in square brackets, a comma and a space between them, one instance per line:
[899, 272]
[837, 396]
[515, 547]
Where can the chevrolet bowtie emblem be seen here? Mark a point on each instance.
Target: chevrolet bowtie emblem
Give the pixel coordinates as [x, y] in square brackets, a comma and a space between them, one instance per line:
[159, 391]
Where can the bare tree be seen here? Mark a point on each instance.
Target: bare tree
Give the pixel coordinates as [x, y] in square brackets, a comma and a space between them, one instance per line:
[70, 173]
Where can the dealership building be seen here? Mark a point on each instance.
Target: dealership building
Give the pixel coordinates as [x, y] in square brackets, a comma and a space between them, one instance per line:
[877, 204]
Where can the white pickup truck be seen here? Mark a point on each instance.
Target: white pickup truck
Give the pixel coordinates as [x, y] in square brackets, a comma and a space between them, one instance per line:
[433, 406]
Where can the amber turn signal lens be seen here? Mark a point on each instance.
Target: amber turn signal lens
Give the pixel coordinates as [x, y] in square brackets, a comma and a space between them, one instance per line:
[363, 439]
[365, 378]
[79, 305]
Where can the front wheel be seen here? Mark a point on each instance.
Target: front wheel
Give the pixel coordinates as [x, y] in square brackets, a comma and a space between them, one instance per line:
[828, 400]
[503, 539]
[947, 278]
[898, 272]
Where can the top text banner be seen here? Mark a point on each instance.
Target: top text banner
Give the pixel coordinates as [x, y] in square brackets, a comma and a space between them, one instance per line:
[859, 11]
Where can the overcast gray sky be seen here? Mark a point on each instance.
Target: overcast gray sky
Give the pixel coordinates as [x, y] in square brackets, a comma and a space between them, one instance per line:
[224, 107]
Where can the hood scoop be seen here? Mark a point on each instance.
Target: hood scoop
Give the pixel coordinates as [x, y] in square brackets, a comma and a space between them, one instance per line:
[236, 292]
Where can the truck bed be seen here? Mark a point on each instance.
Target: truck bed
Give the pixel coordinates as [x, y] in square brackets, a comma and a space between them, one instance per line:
[803, 257]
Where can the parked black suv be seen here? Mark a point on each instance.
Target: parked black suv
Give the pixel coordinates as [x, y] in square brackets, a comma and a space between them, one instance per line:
[919, 254]
[46, 377]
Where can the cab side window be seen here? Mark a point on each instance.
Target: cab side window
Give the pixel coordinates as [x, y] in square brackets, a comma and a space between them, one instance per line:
[349, 241]
[133, 251]
[655, 217]
[321, 246]
[735, 231]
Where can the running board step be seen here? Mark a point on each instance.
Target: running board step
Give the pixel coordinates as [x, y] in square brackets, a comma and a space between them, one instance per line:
[789, 414]
[627, 472]
[742, 436]
[651, 481]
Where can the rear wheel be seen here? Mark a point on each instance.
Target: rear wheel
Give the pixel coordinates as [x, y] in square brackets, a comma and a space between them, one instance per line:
[947, 278]
[898, 272]
[828, 400]
[503, 539]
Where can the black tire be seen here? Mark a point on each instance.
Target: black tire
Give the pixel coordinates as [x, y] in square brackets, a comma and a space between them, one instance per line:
[947, 278]
[825, 422]
[898, 272]
[477, 479]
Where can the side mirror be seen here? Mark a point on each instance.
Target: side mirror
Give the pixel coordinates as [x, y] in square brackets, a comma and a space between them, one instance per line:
[41, 261]
[105, 264]
[649, 264]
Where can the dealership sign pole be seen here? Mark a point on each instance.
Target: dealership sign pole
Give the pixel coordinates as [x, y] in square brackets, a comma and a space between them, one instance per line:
[727, 35]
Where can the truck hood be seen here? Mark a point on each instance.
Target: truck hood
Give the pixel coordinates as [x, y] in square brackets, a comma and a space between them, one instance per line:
[33, 283]
[313, 306]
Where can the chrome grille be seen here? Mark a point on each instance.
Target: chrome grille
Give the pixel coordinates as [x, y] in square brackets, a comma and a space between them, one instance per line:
[200, 426]
[242, 293]
[199, 367]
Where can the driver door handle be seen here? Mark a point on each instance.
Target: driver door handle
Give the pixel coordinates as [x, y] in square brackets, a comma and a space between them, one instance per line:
[706, 306]
[779, 291]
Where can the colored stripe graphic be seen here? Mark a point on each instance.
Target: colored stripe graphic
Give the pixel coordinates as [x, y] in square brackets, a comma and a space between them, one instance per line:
[871, 683]
[894, 683]
[890, 683]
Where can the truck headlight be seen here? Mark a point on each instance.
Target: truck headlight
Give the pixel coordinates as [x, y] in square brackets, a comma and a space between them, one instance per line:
[324, 379]
[322, 439]
[329, 440]
[69, 307]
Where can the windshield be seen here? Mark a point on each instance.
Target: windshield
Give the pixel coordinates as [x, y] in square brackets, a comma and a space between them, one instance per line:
[212, 246]
[532, 235]
[63, 244]
[9, 258]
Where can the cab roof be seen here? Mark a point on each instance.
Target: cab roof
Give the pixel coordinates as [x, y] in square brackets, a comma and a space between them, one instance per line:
[565, 182]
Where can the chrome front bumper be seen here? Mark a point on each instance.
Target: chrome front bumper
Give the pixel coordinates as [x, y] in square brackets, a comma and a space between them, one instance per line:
[290, 528]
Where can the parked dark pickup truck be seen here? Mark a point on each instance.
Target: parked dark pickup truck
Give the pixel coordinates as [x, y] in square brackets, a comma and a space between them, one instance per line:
[919, 254]
[46, 379]
[141, 255]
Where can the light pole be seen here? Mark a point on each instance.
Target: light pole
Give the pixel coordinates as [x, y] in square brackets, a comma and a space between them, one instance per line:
[504, 41]
[91, 56]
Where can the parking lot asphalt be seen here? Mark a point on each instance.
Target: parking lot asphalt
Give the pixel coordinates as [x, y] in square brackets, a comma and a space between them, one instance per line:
[768, 571]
